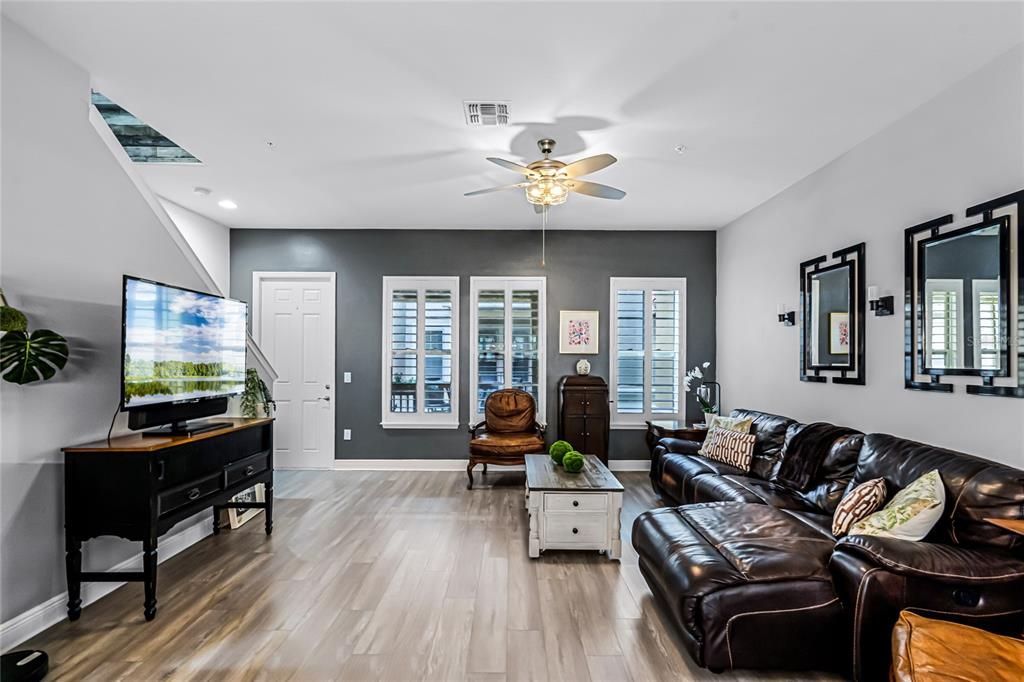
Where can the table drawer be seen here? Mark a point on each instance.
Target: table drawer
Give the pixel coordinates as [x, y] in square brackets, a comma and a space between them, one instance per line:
[246, 468]
[582, 502]
[576, 528]
[187, 494]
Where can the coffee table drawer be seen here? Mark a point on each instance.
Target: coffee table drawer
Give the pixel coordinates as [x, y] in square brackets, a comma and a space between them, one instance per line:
[575, 502]
[581, 528]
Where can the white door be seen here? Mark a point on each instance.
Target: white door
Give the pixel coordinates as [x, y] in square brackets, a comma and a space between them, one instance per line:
[294, 325]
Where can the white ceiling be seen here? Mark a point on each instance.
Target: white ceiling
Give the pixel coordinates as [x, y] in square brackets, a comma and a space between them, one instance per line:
[363, 101]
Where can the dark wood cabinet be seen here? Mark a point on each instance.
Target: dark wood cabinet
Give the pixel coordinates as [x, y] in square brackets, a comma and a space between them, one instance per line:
[137, 487]
[583, 414]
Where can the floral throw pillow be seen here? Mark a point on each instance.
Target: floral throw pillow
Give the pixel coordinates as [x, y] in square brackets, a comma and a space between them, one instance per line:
[866, 498]
[911, 514]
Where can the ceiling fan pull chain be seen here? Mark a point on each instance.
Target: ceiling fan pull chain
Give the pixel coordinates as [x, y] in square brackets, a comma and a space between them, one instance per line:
[543, 236]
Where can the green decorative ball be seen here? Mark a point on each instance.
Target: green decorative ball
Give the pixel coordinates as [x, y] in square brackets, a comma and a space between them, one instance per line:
[558, 450]
[12, 320]
[573, 462]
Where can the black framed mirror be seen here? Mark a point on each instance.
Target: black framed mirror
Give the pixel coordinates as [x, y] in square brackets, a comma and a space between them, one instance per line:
[964, 300]
[832, 317]
[962, 292]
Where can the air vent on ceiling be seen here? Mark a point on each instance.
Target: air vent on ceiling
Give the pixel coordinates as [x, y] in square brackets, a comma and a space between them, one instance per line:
[486, 113]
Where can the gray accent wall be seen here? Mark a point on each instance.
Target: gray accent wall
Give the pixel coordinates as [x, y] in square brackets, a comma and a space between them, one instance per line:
[579, 265]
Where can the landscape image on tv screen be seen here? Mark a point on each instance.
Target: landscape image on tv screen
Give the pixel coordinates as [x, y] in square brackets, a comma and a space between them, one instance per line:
[180, 345]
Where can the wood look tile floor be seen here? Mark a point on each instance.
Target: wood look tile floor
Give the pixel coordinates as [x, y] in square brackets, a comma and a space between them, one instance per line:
[385, 576]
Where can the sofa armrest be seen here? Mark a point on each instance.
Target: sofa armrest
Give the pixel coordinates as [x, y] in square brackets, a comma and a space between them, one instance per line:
[935, 561]
[680, 446]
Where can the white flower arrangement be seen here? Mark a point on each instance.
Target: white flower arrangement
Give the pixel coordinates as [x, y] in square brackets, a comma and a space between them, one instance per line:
[697, 374]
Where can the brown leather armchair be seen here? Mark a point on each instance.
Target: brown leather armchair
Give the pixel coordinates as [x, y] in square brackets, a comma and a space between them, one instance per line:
[508, 433]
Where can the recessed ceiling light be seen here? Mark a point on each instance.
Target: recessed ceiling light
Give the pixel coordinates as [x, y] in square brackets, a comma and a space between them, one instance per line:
[228, 204]
[680, 148]
[201, 191]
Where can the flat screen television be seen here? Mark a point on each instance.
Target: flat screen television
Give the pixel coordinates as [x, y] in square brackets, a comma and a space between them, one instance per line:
[182, 354]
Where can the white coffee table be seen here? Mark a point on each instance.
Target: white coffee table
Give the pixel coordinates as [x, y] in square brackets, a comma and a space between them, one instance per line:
[573, 511]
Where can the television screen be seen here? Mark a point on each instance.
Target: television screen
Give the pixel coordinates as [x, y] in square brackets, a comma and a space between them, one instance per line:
[180, 344]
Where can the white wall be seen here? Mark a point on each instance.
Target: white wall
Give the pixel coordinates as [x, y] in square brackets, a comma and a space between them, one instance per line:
[72, 223]
[210, 241]
[962, 148]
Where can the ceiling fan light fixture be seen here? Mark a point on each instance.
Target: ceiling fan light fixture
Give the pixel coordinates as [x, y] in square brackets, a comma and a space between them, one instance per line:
[546, 191]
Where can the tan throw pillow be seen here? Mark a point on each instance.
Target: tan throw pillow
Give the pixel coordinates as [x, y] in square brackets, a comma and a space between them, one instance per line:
[731, 423]
[865, 499]
[911, 513]
[730, 447]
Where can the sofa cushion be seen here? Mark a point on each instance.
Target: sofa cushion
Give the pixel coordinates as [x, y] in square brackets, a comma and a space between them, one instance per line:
[770, 430]
[679, 471]
[712, 488]
[835, 473]
[500, 444]
[976, 489]
[730, 571]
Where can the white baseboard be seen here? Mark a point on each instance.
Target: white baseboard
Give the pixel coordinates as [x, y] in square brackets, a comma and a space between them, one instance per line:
[30, 623]
[458, 465]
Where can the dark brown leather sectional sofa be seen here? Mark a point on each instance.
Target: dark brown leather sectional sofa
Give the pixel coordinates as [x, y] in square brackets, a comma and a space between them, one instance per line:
[750, 572]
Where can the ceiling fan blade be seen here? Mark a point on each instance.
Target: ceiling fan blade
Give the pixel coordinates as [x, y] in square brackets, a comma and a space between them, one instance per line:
[588, 165]
[496, 189]
[511, 165]
[594, 189]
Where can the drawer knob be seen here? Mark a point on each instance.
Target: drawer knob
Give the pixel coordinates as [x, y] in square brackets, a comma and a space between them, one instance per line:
[249, 469]
[575, 530]
[575, 503]
[193, 494]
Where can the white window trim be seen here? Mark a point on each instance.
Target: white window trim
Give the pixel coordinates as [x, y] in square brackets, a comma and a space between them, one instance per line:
[508, 284]
[978, 287]
[418, 420]
[639, 421]
[956, 287]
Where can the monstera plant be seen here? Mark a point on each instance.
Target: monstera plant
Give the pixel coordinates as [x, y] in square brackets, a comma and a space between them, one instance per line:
[28, 356]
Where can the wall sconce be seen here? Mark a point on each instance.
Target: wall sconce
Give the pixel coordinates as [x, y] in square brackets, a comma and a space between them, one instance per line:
[881, 305]
[788, 319]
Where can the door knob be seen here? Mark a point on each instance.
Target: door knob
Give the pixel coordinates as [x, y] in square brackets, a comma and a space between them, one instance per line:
[326, 397]
[327, 386]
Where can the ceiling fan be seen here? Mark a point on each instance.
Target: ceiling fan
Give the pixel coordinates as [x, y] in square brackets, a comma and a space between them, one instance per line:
[549, 181]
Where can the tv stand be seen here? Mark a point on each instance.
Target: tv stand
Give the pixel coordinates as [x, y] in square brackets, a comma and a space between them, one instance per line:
[138, 488]
[185, 429]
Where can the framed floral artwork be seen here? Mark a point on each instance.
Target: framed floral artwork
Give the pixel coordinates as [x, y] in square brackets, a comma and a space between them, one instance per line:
[578, 332]
[839, 333]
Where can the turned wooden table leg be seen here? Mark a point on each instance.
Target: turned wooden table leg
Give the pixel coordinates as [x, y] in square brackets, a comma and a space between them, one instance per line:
[149, 579]
[268, 498]
[73, 563]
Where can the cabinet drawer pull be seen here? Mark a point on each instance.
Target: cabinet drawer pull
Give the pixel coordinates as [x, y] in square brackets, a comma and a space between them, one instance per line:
[249, 470]
[575, 531]
[194, 493]
[575, 503]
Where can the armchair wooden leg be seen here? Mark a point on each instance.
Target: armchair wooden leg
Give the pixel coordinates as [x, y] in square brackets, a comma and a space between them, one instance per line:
[469, 472]
[485, 468]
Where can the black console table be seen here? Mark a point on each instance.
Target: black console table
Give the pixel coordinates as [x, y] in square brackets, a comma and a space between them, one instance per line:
[137, 487]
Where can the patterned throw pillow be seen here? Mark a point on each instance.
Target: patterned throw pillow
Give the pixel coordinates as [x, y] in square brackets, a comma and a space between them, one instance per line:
[911, 514]
[730, 447]
[865, 499]
[729, 423]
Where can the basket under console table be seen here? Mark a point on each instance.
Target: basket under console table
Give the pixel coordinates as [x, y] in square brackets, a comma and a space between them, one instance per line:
[137, 487]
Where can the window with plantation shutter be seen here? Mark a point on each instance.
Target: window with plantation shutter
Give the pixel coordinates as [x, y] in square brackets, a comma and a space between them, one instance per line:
[508, 327]
[987, 332]
[420, 358]
[944, 323]
[647, 322]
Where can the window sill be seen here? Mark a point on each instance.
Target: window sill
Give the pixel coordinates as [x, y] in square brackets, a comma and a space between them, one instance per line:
[419, 425]
[629, 426]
